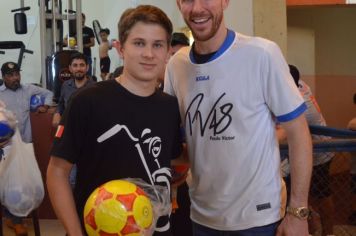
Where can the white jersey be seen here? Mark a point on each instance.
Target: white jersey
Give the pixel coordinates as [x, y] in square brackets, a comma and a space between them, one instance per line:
[227, 105]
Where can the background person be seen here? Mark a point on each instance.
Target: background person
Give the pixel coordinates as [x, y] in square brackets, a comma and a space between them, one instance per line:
[17, 99]
[78, 67]
[104, 48]
[88, 43]
[352, 218]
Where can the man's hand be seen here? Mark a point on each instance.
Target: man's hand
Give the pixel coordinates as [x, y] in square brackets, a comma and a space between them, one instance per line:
[56, 119]
[42, 109]
[293, 226]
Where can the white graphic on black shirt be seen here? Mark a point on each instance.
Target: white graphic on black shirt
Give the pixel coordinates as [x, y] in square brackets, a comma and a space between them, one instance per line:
[159, 176]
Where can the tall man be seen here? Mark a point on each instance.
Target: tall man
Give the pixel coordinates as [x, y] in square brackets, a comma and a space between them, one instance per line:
[88, 42]
[17, 97]
[230, 87]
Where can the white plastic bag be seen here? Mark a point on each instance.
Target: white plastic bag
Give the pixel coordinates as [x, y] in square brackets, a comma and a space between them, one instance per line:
[21, 185]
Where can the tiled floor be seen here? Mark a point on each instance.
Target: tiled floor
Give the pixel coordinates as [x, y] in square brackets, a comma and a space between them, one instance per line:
[47, 227]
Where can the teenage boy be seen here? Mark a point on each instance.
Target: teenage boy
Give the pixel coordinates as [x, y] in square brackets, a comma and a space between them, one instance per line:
[119, 128]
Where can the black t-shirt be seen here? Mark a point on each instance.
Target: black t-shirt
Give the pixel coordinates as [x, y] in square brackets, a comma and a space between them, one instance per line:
[134, 132]
[87, 34]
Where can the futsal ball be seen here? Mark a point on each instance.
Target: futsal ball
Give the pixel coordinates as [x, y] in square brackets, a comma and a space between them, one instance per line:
[36, 101]
[118, 208]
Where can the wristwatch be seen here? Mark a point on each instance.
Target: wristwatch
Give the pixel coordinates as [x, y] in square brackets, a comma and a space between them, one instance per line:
[300, 212]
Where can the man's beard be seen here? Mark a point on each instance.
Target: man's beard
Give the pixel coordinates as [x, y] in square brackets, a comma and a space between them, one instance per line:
[79, 76]
[216, 22]
[13, 86]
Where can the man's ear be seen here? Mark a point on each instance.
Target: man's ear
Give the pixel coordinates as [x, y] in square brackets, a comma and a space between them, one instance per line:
[178, 4]
[119, 48]
[226, 4]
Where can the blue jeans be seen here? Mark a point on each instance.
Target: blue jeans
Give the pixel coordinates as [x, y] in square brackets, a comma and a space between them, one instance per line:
[73, 176]
[267, 230]
[90, 64]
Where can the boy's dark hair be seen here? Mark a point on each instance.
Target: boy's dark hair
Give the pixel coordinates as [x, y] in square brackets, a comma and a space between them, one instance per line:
[355, 98]
[106, 30]
[78, 56]
[295, 74]
[144, 13]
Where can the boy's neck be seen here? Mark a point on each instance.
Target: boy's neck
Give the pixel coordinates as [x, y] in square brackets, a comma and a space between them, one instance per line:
[138, 87]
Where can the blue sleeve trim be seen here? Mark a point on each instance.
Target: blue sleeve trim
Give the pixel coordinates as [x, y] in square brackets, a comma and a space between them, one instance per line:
[292, 115]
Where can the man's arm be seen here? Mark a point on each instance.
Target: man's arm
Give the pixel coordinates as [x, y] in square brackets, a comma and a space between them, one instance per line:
[90, 44]
[300, 158]
[60, 194]
[352, 124]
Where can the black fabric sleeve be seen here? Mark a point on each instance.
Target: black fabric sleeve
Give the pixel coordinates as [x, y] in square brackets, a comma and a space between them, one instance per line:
[178, 140]
[68, 140]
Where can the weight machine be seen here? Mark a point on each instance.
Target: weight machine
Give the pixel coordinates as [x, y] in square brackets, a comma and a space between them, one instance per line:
[54, 60]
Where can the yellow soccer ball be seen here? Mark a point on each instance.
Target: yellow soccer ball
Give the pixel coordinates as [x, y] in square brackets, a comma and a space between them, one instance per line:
[118, 208]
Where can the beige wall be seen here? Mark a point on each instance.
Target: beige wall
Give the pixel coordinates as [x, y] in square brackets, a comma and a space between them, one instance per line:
[269, 19]
[334, 58]
[335, 37]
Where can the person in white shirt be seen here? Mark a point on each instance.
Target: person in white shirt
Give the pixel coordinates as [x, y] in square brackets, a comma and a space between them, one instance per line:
[229, 87]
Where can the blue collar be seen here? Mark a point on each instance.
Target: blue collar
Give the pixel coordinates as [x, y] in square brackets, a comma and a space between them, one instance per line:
[230, 37]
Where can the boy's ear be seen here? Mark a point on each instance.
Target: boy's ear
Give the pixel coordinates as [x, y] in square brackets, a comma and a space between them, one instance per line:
[117, 45]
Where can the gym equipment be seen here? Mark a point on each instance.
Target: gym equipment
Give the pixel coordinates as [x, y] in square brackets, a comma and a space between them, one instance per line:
[55, 61]
[58, 71]
[20, 20]
[15, 45]
[96, 29]
[94, 70]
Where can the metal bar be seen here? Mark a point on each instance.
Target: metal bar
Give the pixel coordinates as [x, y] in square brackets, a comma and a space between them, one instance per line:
[54, 25]
[79, 25]
[43, 43]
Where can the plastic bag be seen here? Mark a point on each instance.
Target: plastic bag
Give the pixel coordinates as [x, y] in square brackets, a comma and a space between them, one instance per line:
[21, 186]
[7, 130]
[125, 207]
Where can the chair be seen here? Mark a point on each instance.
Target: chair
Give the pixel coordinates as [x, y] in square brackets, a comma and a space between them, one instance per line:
[33, 215]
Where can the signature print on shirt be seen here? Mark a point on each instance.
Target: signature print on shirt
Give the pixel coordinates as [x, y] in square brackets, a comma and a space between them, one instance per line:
[218, 118]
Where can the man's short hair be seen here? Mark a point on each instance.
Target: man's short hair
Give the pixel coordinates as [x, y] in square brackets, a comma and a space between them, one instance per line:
[179, 39]
[295, 74]
[78, 56]
[143, 13]
[106, 30]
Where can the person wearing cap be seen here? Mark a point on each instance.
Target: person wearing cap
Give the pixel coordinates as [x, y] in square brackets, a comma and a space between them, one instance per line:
[179, 40]
[352, 218]
[17, 97]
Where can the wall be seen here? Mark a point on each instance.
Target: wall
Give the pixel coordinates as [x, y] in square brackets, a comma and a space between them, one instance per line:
[269, 19]
[334, 61]
[31, 63]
